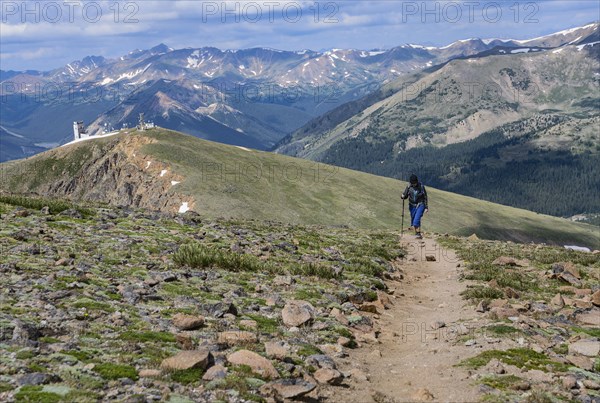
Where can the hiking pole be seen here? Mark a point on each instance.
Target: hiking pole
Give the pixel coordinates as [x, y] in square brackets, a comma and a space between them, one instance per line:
[402, 229]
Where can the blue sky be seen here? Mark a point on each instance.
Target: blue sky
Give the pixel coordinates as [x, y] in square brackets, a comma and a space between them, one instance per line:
[43, 35]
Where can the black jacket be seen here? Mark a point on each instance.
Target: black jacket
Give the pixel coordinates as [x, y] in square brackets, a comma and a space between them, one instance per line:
[415, 195]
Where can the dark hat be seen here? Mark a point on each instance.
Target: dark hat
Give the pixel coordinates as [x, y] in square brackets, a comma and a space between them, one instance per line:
[414, 179]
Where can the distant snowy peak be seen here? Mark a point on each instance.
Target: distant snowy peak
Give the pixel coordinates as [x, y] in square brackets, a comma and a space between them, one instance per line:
[556, 39]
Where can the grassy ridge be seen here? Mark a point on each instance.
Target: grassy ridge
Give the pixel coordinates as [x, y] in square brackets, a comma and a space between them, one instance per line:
[234, 183]
[293, 190]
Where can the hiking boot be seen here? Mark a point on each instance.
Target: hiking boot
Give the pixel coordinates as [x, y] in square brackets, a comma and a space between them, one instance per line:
[419, 236]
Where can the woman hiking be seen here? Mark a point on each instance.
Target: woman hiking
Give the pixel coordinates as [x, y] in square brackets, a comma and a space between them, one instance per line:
[417, 203]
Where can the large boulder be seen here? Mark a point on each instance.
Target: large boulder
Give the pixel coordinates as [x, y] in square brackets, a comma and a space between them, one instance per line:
[236, 338]
[297, 313]
[187, 359]
[187, 322]
[277, 349]
[596, 298]
[288, 388]
[258, 364]
[587, 347]
[328, 376]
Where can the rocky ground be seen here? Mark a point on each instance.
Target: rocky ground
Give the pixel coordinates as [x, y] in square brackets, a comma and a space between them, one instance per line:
[491, 322]
[125, 305]
[116, 304]
[537, 336]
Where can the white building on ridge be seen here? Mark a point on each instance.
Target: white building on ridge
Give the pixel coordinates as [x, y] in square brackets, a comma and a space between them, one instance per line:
[79, 131]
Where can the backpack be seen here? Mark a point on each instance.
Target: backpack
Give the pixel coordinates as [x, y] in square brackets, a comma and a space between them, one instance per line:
[415, 195]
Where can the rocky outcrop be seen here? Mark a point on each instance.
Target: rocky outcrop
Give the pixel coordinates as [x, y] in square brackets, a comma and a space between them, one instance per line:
[116, 172]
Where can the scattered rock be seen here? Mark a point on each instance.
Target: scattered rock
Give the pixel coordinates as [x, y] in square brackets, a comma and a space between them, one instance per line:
[589, 318]
[184, 341]
[569, 278]
[384, 299]
[495, 366]
[358, 375]
[150, 373]
[288, 388]
[482, 306]
[344, 341]
[297, 313]
[596, 298]
[473, 237]
[187, 322]
[257, 363]
[582, 292]
[320, 326]
[61, 262]
[510, 293]
[423, 395]
[248, 323]
[569, 382]
[321, 361]
[284, 280]
[581, 361]
[22, 213]
[581, 303]
[236, 338]
[276, 349]
[504, 313]
[509, 261]
[522, 385]
[438, 325]
[372, 307]
[36, 378]
[187, 359]
[590, 384]
[219, 309]
[375, 354]
[558, 301]
[24, 333]
[498, 303]
[72, 213]
[587, 347]
[215, 372]
[328, 376]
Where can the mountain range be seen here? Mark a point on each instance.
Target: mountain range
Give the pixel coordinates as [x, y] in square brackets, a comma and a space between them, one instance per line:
[510, 125]
[251, 97]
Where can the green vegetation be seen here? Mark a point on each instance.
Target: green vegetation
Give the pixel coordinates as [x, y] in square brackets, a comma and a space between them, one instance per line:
[501, 329]
[36, 394]
[306, 350]
[188, 376]
[56, 206]
[501, 382]
[110, 371]
[93, 305]
[519, 357]
[482, 292]
[199, 256]
[80, 355]
[25, 355]
[267, 325]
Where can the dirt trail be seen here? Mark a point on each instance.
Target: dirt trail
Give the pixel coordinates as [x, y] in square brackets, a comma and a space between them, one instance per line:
[412, 354]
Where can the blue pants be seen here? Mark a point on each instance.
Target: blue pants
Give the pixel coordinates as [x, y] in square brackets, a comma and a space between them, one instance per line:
[416, 213]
